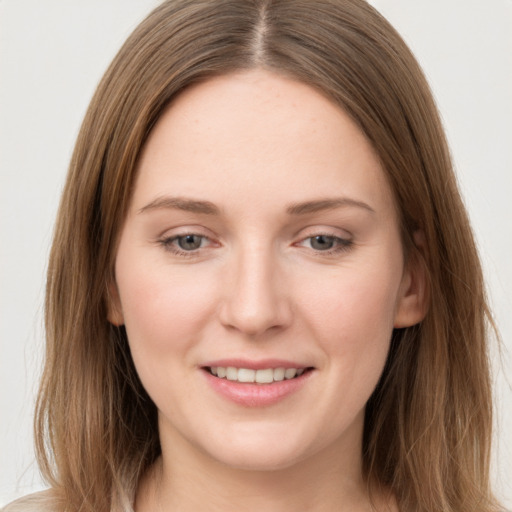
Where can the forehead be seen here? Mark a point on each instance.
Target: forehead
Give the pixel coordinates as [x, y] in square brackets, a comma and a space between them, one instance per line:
[261, 133]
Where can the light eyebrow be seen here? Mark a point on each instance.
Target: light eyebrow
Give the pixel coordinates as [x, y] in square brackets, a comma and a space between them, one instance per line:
[326, 204]
[181, 203]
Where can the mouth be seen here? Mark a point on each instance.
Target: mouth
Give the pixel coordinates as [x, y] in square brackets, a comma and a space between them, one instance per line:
[260, 376]
[256, 383]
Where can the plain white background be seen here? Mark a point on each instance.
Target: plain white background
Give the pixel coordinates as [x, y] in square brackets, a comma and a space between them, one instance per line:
[52, 55]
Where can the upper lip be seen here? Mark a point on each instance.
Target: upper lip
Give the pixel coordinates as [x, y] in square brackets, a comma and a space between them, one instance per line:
[260, 364]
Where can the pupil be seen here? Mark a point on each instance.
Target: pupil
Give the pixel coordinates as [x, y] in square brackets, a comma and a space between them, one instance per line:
[189, 242]
[322, 242]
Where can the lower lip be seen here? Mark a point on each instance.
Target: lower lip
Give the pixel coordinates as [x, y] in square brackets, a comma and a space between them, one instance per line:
[256, 395]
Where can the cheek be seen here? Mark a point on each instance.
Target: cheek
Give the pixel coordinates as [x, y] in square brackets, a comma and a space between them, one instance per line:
[354, 307]
[352, 325]
[165, 314]
[351, 317]
[163, 310]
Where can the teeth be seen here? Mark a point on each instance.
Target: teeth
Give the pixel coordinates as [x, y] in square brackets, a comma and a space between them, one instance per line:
[231, 373]
[290, 373]
[279, 374]
[245, 375]
[265, 376]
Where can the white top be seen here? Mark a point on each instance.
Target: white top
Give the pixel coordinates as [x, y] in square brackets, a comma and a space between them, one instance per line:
[44, 501]
[37, 502]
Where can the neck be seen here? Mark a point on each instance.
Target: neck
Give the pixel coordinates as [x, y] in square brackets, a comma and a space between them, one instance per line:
[187, 479]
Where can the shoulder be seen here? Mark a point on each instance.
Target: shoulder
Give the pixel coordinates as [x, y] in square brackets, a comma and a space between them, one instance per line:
[42, 501]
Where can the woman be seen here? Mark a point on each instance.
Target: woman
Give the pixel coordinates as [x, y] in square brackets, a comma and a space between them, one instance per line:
[263, 289]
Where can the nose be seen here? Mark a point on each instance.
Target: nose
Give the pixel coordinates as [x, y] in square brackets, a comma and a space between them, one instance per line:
[255, 299]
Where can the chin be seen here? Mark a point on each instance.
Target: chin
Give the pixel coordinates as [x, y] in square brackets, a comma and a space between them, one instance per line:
[260, 453]
[259, 461]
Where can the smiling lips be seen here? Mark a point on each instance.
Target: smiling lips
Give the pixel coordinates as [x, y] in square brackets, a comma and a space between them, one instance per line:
[262, 386]
[262, 376]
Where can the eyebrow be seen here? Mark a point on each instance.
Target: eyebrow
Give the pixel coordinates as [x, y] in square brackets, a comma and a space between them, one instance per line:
[326, 204]
[208, 208]
[180, 203]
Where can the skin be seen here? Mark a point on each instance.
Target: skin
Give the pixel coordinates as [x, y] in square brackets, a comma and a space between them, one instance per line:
[255, 145]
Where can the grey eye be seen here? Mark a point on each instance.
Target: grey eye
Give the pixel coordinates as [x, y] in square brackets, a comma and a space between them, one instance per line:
[322, 242]
[189, 242]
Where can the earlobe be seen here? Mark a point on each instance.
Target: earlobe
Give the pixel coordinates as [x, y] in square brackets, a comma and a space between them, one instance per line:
[114, 310]
[413, 297]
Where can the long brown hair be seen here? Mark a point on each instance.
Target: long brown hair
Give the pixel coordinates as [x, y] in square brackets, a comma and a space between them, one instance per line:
[428, 423]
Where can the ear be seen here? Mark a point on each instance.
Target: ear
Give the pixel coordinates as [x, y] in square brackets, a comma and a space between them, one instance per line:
[114, 310]
[413, 298]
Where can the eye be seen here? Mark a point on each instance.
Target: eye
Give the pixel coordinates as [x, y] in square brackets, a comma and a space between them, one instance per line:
[328, 244]
[322, 242]
[189, 242]
[185, 245]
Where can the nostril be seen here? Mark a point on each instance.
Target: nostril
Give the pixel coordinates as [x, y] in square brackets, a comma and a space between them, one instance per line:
[255, 319]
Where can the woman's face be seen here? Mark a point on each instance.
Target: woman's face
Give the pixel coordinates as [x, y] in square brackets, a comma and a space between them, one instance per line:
[261, 244]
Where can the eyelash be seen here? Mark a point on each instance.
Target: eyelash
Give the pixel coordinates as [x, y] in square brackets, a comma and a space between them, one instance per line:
[340, 244]
[168, 244]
